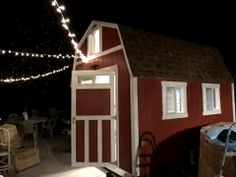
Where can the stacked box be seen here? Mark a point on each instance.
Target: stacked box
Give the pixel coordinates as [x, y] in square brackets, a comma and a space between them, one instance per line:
[25, 157]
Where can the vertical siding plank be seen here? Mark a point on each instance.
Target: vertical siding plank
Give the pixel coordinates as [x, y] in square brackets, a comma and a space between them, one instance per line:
[80, 141]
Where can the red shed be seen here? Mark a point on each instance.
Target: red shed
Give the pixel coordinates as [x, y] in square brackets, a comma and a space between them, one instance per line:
[139, 94]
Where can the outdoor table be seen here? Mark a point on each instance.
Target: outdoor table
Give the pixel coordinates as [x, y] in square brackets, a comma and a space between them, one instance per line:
[39, 120]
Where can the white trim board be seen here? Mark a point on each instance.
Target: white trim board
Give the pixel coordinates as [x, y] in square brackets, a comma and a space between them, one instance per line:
[134, 125]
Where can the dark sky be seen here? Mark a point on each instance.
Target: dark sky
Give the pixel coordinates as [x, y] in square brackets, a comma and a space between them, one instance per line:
[33, 25]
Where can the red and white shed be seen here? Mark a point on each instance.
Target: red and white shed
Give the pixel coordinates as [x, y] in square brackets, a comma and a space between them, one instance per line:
[137, 90]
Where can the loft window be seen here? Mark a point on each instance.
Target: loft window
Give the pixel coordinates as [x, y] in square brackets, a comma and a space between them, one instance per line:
[94, 42]
[211, 99]
[174, 100]
[94, 79]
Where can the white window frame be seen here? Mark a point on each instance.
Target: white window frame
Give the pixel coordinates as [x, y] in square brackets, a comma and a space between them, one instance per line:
[92, 40]
[174, 115]
[217, 109]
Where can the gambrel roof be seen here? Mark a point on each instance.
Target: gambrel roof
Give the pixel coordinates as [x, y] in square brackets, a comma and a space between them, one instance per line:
[153, 55]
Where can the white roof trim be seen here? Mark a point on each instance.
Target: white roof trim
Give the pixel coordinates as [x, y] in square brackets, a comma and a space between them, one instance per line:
[110, 25]
[126, 58]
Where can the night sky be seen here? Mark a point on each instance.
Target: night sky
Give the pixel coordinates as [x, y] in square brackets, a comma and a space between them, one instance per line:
[34, 26]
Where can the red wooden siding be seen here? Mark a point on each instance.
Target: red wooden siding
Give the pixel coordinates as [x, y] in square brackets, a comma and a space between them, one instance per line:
[117, 58]
[110, 38]
[226, 100]
[93, 102]
[174, 137]
[106, 141]
[80, 141]
[93, 141]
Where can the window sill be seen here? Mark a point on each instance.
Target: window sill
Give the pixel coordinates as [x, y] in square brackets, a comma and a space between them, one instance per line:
[174, 116]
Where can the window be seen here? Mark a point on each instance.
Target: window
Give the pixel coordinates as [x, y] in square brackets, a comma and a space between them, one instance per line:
[174, 100]
[94, 79]
[94, 42]
[211, 99]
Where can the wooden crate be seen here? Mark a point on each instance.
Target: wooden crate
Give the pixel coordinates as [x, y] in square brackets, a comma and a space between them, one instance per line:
[24, 158]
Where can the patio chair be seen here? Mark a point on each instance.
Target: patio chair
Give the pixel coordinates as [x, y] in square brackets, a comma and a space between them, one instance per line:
[29, 131]
[15, 155]
[51, 123]
[5, 151]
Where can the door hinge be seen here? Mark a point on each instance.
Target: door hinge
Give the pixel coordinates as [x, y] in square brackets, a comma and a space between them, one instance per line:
[114, 117]
[73, 120]
[114, 162]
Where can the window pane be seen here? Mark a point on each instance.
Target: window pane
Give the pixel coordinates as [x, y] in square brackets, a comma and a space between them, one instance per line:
[85, 80]
[96, 41]
[214, 106]
[178, 98]
[90, 44]
[174, 100]
[209, 99]
[102, 79]
[170, 100]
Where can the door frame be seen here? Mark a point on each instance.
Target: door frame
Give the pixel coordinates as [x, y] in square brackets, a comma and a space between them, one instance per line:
[74, 86]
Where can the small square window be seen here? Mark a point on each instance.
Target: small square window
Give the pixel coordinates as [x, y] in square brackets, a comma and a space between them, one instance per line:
[94, 42]
[211, 99]
[174, 100]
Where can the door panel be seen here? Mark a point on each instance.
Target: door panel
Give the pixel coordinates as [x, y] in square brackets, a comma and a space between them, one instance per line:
[93, 141]
[80, 140]
[94, 117]
[106, 136]
[92, 102]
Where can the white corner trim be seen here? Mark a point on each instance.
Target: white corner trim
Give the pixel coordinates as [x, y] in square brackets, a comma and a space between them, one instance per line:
[73, 122]
[134, 124]
[233, 101]
[74, 62]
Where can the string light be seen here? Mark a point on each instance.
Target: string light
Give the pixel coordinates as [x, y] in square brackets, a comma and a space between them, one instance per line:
[36, 55]
[10, 80]
[65, 22]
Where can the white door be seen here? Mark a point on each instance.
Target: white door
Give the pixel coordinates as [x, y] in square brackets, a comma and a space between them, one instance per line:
[94, 118]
